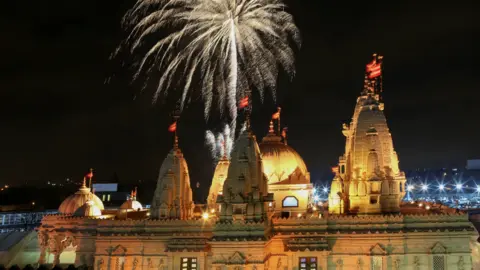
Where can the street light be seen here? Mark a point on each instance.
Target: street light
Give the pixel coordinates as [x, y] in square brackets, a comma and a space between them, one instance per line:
[459, 186]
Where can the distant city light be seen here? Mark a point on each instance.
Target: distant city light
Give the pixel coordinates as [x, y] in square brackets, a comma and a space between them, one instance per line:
[33, 203]
[410, 187]
[458, 186]
[314, 208]
[441, 187]
[325, 189]
[427, 207]
[299, 215]
[424, 187]
[316, 198]
[212, 211]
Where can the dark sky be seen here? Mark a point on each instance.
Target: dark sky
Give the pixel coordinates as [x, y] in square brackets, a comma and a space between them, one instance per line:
[58, 117]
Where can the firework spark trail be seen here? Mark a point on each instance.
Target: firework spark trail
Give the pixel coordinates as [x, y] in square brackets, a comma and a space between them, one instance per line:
[231, 46]
[221, 144]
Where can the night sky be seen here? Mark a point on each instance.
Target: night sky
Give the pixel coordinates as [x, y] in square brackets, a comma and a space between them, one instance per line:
[59, 118]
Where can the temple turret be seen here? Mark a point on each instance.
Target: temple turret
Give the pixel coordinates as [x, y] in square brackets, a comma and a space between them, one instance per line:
[219, 176]
[368, 180]
[245, 190]
[173, 195]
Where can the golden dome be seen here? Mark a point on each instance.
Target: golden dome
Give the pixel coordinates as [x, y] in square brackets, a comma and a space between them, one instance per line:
[281, 163]
[89, 209]
[73, 202]
[131, 205]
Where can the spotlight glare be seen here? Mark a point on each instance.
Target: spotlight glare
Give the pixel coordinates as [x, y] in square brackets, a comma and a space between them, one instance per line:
[410, 187]
[459, 186]
[316, 198]
[478, 189]
[325, 189]
[424, 187]
[441, 187]
[205, 215]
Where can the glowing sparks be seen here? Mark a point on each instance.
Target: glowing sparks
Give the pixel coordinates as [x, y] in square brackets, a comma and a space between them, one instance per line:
[221, 144]
[228, 46]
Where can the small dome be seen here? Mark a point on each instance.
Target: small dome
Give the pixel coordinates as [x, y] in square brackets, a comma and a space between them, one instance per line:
[131, 205]
[77, 200]
[89, 209]
[280, 161]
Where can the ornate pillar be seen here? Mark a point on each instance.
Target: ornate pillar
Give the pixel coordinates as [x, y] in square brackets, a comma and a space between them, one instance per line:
[43, 251]
[42, 243]
[56, 258]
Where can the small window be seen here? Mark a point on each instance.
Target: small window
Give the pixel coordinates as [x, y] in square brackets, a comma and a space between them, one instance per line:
[342, 169]
[401, 187]
[438, 262]
[290, 201]
[373, 200]
[108, 197]
[307, 263]
[188, 264]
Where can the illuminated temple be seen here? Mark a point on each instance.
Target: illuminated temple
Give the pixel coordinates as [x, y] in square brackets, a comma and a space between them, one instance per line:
[260, 213]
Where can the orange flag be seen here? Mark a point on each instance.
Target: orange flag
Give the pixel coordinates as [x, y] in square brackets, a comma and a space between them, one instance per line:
[173, 127]
[243, 103]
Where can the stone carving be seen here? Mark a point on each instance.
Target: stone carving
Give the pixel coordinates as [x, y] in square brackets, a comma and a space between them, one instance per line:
[396, 264]
[237, 258]
[117, 264]
[42, 239]
[416, 263]
[279, 263]
[101, 264]
[359, 264]
[161, 264]
[149, 263]
[134, 264]
[461, 263]
[339, 264]
[52, 245]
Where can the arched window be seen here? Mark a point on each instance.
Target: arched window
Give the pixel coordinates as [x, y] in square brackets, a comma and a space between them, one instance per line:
[290, 201]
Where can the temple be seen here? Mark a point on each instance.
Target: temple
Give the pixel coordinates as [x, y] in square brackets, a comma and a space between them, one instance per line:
[261, 213]
[367, 179]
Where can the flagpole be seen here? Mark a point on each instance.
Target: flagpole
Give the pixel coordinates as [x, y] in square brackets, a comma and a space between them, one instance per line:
[279, 131]
[90, 180]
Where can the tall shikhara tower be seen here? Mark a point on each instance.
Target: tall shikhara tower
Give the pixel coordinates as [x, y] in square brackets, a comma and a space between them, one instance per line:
[368, 179]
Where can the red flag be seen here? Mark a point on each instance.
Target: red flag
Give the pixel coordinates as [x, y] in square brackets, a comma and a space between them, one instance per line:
[371, 65]
[375, 73]
[243, 103]
[90, 174]
[173, 127]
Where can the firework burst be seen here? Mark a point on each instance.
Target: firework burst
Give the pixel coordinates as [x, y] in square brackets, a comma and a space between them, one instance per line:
[220, 144]
[228, 46]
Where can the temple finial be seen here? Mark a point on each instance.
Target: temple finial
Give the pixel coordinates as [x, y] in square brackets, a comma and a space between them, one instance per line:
[84, 184]
[270, 129]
